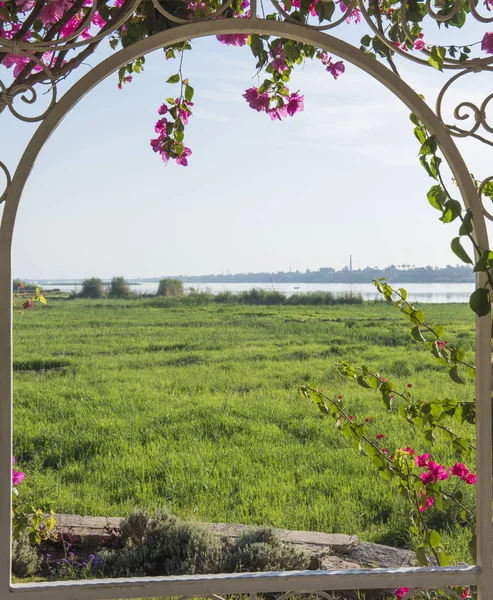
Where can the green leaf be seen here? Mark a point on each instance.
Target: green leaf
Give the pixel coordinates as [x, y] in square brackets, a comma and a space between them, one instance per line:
[480, 302]
[429, 146]
[421, 556]
[466, 226]
[460, 444]
[362, 382]
[173, 79]
[416, 334]
[459, 251]
[179, 135]
[403, 293]
[417, 317]
[488, 190]
[366, 41]
[451, 210]
[189, 91]
[436, 57]
[438, 330]
[435, 539]
[454, 375]
[485, 262]
[437, 197]
[444, 559]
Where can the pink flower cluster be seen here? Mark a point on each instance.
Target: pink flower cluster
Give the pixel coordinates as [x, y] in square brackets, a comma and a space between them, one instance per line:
[401, 592]
[165, 144]
[271, 104]
[334, 68]
[17, 476]
[354, 15]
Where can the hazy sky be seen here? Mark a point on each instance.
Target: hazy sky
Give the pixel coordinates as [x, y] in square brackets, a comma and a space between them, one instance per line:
[340, 178]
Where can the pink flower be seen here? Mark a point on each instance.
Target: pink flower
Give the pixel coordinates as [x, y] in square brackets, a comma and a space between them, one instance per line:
[470, 479]
[409, 385]
[421, 460]
[233, 39]
[354, 15]
[258, 102]
[465, 593]
[487, 43]
[460, 470]
[279, 64]
[52, 12]
[160, 126]
[25, 5]
[427, 502]
[437, 471]
[277, 113]
[427, 478]
[401, 592]
[17, 476]
[162, 110]
[419, 44]
[19, 61]
[380, 436]
[295, 104]
[98, 20]
[182, 159]
[368, 419]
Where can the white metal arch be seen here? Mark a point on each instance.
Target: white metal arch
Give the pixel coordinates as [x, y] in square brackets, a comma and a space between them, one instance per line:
[302, 582]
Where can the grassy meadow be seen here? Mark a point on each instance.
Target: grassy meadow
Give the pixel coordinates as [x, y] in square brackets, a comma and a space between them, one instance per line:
[149, 402]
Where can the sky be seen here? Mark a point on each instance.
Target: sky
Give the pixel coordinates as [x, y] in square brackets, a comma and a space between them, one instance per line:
[341, 178]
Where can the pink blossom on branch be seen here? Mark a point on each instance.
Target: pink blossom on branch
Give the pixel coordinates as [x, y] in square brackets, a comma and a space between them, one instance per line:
[233, 39]
[487, 43]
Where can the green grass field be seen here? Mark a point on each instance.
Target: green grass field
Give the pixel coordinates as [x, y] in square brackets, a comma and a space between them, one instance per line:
[145, 403]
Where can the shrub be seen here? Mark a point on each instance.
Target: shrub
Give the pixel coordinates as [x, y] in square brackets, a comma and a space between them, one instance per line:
[119, 288]
[260, 549]
[25, 558]
[92, 288]
[170, 287]
[163, 545]
[258, 296]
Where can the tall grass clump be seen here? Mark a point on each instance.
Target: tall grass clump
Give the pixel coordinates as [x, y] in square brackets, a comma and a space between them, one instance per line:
[324, 299]
[170, 288]
[92, 288]
[119, 288]
[264, 297]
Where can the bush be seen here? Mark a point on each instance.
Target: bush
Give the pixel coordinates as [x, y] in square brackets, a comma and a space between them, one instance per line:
[163, 545]
[25, 558]
[170, 287]
[92, 288]
[119, 288]
[260, 549]
[258, 296]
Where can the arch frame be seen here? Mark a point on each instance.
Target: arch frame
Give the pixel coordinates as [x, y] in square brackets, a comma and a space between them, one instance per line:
[480, 575]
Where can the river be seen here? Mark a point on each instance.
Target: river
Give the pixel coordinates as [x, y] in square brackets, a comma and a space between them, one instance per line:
[418, 292]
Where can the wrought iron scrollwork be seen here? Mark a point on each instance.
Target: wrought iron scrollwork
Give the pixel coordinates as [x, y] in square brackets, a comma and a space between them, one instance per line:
[26, 91]
[476, 116]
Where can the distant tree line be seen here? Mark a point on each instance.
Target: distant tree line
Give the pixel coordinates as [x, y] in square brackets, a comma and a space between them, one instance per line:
[395, 274]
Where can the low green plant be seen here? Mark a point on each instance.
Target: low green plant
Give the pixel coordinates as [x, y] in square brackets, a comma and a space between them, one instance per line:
[261, 549]
[25, 557]
[119, 288]
[170, 287]
[92, 288]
